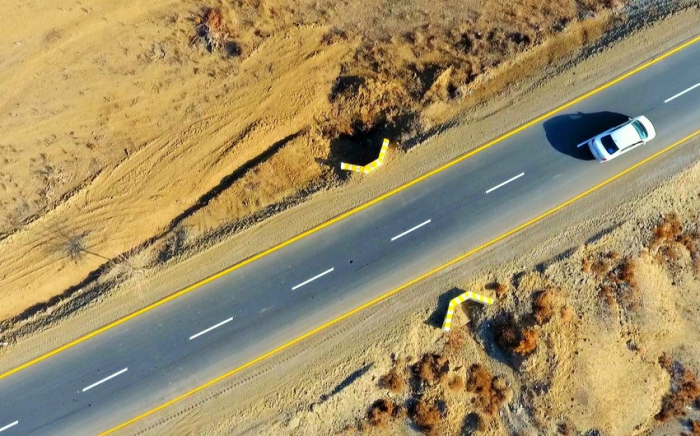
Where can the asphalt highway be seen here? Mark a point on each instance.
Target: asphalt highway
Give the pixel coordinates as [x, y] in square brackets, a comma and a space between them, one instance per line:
[155, 357]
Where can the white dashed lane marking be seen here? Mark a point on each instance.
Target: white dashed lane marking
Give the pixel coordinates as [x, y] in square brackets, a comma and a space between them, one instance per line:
[682, 92]
[410, 230]
[105, 379]
[9, 426]
[506, 182]
[211, 328]
[312, 279]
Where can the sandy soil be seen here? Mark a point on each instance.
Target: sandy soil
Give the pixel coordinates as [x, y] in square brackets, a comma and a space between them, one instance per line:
[123, 133]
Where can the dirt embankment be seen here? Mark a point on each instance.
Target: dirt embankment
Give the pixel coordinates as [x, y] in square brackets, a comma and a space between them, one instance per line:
[136, 132]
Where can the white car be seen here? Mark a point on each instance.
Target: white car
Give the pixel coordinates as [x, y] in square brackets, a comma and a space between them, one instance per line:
[621, 139]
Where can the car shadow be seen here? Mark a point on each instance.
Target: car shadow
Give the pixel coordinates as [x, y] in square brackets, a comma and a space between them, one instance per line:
[566, 132]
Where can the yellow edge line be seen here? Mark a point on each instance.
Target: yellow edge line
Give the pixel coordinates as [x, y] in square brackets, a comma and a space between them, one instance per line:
[400, 288]
[344, 215]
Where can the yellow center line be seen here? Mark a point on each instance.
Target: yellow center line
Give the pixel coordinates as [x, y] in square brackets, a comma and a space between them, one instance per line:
[341, 217]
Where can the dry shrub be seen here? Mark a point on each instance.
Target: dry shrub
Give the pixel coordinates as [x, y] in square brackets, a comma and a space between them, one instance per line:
[607, 293]
[668, 241]
[566, 313]
[620, 287]
[564, 429]
[456, 338]
[513, 338]
[211, 29]
[456, 384]
[695, 428]
[382, 412]
[508, 335]
[690, 242]
[333, 36]
[432, 368]
[667, 231]
[427, 416]
[600, 267]
[528, 344]
[500, 289]
[628, 293]
[586, 265]
[613, 256]
[392, 381]
[543, 306]
[490, 393]
[685, 389]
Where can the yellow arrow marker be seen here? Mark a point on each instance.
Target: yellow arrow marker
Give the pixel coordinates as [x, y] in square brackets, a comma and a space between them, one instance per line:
[459, 300]
[370, 166]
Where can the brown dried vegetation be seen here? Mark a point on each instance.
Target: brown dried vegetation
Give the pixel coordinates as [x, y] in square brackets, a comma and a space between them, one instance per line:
[666, 232]
[600, 267]
[427, 416]
[685, 389]
[392, 381]
[543, 307]
[383, 412]
[623, 277]
[528, 343]
[513, 338]
[586, 265]
[456, 383]
[695, 428]
[456, 338]
[432, 368]
[212, 31]
[490, 393]
[620, 287]
[500, 289]
[668, 241]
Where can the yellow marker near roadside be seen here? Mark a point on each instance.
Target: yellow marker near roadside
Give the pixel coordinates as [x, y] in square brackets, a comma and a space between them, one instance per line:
[472, 296]
[366, 169]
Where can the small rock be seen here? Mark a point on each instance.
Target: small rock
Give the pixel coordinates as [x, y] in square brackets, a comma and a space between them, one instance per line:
[293, 423]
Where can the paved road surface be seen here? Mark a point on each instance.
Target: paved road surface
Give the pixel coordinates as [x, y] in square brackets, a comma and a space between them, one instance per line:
[155, 357]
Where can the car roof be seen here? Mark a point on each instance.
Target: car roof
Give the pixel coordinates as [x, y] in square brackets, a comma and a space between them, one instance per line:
[625, 136]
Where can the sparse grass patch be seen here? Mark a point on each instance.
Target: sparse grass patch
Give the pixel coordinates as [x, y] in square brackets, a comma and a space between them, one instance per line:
[567, 314]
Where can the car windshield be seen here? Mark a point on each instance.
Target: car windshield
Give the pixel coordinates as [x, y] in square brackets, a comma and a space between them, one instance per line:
[609, 144]
[639, 127]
